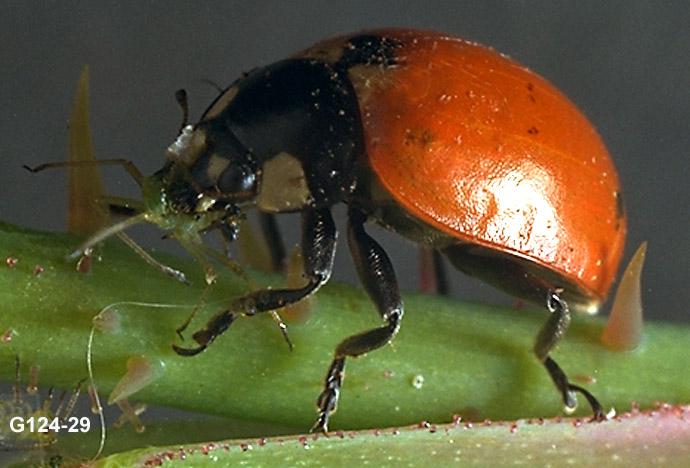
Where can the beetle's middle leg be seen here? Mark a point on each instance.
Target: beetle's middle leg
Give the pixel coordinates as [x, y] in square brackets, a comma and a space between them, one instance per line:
[552, 331]
[318, 249]
[378, 278]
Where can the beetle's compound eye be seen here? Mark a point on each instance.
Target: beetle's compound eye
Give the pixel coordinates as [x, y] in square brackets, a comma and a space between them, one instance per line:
[238, 180]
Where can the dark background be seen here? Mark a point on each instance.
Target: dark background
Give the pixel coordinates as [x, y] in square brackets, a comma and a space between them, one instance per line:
[626, 64]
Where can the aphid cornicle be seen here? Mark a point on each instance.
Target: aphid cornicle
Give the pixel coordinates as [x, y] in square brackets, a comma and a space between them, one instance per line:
[444, 141]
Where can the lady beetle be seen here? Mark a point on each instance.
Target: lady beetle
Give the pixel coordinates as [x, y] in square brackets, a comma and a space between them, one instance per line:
[445, 141]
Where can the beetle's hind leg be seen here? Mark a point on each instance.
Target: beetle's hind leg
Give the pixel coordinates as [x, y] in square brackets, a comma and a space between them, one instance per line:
[378, 278]
[318, 249]
[552, 331]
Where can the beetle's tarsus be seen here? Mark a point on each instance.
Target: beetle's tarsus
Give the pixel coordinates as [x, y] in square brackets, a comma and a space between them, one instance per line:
[327, 401]
[548, 337]
[597, 409]
[188, 351]
[321, 425]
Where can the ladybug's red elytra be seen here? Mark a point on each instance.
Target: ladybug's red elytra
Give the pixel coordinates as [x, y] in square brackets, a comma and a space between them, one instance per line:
[444, 141]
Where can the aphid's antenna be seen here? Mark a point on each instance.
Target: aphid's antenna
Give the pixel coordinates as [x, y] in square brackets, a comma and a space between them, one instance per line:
[93, 389]
[105, 233]
[127, 165]
[181, 98]
[17, 384]
[92, 384]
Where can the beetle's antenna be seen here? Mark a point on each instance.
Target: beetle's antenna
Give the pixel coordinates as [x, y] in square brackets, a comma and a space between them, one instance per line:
[105, 233]
[212, 83]
[181, 98]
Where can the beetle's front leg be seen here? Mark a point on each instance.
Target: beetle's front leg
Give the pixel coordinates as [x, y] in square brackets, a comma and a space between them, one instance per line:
[318, 249]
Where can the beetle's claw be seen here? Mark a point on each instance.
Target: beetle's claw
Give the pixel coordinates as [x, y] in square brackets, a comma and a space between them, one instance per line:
[188, 351]
[321, 425]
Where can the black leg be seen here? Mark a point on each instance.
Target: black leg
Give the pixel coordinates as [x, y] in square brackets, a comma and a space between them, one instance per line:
[552, 331]
[269, 228]
[318, 249]
[378, 278]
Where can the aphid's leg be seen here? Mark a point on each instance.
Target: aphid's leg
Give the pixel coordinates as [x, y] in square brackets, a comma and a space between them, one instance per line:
[271, 232]
[121, 205]
[552, 331]
[139, 250]
[318, 249]
[378, 278]
[202, 300]
[196, 247]
[128, 166]
[202, 253]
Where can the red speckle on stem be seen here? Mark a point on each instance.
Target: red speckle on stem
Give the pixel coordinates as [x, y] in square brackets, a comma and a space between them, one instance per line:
[11, 262]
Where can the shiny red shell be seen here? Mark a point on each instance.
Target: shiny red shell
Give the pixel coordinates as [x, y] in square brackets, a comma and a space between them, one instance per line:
[485, 150]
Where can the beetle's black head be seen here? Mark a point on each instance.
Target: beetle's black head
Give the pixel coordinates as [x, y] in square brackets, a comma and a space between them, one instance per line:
[216, 163]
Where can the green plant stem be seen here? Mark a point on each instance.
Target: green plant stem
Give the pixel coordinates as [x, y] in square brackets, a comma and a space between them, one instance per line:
[473, 360]
[660, 437]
